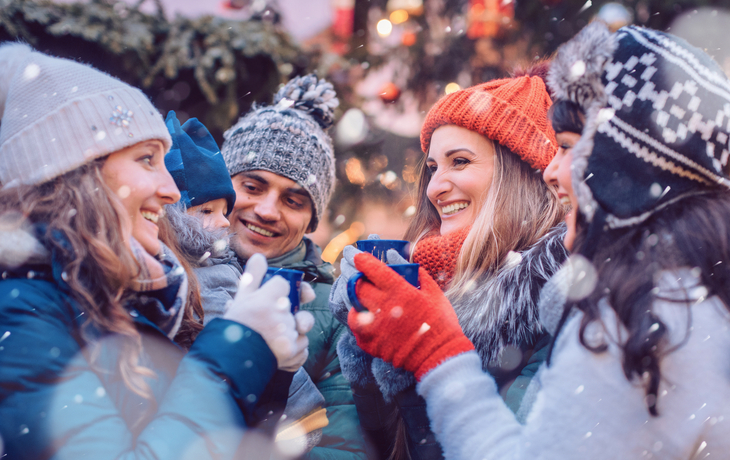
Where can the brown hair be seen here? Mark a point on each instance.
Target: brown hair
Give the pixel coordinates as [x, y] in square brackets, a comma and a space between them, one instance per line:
[518, 209]
[97, 264]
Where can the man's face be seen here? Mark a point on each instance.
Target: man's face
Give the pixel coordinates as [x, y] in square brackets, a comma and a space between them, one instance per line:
[270, 216]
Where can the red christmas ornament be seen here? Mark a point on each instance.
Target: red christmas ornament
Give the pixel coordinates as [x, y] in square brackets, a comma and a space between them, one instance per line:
[408, 38]
[389, 93]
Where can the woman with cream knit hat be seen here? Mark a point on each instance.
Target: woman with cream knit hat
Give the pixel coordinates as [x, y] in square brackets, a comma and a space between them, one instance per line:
[93, 305]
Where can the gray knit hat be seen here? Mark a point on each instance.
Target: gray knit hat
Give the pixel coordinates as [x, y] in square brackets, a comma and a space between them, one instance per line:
[289, 138]
[58, 114]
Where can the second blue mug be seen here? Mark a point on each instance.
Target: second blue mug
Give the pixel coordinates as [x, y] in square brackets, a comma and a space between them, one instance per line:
[294, 277]
[407, 271]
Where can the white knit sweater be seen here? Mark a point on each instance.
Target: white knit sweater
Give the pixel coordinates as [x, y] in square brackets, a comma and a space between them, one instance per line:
[587, 409]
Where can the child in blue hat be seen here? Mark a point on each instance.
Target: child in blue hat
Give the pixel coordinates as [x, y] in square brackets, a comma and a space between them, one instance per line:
[199, 219]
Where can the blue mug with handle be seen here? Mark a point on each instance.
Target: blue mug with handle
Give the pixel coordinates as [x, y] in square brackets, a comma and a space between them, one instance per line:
[407, 271]
[294, 277]
[379, 248]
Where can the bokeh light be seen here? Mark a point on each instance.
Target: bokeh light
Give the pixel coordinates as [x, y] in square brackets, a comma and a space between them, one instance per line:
[384, 27]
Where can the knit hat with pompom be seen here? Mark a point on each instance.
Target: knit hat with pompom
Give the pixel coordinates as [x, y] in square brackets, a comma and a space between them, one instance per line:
[289, 138]
[509, 111]
[58, 114]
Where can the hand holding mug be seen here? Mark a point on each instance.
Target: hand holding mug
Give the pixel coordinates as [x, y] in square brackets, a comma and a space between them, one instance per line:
[266, 309]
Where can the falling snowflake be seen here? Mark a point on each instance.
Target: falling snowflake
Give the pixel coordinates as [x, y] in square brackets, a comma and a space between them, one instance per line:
[31, 71]
[233, 333]
[121, 117]
[577, 70]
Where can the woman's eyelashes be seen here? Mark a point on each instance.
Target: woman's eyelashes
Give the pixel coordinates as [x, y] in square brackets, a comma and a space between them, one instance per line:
[457, 162]
[460, 162]
[146, 159]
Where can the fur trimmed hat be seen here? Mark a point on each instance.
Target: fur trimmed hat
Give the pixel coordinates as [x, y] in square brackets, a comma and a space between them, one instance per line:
[657, 121]
[289, 138]
[510, 111]
[58, 114]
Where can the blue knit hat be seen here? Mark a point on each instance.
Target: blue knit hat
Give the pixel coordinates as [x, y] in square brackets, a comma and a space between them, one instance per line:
[196, 164]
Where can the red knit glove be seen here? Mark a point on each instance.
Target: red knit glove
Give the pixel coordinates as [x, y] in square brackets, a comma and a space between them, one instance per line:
[416, 329]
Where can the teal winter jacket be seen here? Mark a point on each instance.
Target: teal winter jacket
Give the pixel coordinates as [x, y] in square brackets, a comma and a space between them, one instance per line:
[62, 395]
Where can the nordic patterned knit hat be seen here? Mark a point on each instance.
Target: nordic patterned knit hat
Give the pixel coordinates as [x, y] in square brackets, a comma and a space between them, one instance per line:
[289, 138]
[58, 114]
[509, 111]
[657, 121]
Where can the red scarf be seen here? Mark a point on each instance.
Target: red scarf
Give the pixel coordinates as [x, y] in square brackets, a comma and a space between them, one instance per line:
[438, 255]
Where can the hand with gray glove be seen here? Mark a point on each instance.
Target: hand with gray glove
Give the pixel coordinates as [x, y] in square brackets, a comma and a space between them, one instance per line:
[339, 302]
[266, 309]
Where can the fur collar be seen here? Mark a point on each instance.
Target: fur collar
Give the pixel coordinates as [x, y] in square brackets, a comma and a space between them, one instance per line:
[503, 308]
[198, 244]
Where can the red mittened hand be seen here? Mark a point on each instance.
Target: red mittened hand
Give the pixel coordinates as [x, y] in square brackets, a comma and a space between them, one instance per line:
[411, 328]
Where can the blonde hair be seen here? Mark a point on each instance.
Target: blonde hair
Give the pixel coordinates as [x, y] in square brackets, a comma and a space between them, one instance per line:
[518, 209]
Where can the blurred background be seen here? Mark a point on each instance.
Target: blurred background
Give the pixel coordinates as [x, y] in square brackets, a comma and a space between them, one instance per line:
[389, 60]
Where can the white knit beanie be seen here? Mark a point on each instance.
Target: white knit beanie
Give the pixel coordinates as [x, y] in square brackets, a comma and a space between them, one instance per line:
[58, 114]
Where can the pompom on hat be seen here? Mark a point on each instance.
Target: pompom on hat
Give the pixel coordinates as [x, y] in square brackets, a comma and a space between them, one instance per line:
[289, 138]
[509, 111]
[58, 114]
[657, 122]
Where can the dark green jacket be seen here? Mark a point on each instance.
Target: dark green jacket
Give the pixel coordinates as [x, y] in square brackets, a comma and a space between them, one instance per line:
[342, 438]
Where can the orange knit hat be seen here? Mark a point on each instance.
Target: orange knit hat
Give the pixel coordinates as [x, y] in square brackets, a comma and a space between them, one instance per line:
[510, 111]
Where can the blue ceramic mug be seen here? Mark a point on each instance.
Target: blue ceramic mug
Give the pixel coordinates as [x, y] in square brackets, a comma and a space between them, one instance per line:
[294, 277]
[379, 248]
[407, 271]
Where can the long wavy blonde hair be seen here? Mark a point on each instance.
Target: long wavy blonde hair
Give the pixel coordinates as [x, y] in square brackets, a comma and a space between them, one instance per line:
[517, 210]
[97, 264]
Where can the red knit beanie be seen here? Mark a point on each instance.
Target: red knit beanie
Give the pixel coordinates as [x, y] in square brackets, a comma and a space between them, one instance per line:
[510, 111]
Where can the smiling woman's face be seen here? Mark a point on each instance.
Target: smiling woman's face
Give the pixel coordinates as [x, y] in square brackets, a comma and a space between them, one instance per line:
[461, 163]
[558, 173]
[138, 176]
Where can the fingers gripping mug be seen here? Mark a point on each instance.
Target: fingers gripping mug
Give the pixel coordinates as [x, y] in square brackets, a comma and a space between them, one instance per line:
[294, 277]
[407, 271]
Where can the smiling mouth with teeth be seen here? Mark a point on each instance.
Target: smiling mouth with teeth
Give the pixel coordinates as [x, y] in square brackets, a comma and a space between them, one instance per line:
[455, 207]
[565, 201]
[258, 230]
[151, 216]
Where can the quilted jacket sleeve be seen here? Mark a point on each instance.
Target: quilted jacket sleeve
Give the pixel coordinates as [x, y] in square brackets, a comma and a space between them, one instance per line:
[55, 404]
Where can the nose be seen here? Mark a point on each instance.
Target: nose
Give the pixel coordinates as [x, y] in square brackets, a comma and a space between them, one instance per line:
[438, 186]
[550, 175]
[167, 189]
[267, 208]
[222, 222]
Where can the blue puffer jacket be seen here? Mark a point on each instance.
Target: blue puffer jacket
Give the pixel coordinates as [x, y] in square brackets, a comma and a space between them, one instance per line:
[55, 404]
